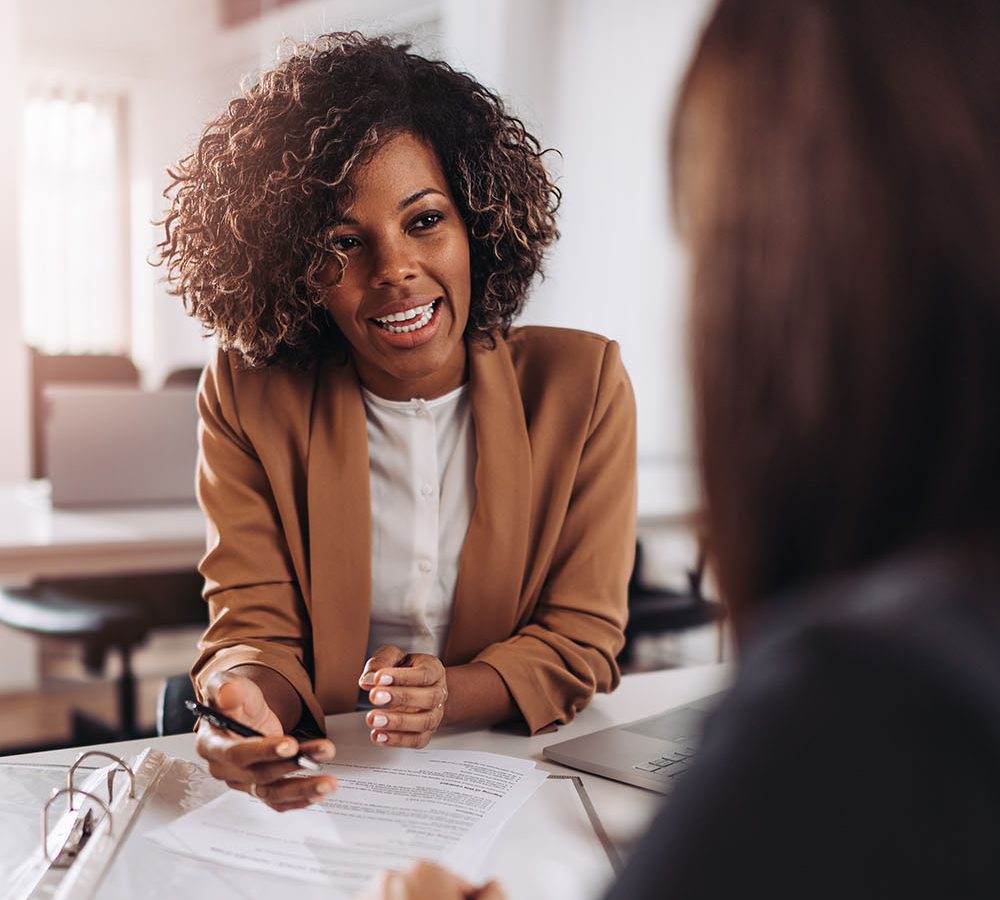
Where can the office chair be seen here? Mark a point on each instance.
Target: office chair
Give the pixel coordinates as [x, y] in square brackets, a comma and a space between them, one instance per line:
[172, 716]
[112, 614]
[654, 610]
[188, 376]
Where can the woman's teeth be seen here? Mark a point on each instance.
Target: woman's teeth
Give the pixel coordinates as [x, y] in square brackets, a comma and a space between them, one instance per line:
[417, 318]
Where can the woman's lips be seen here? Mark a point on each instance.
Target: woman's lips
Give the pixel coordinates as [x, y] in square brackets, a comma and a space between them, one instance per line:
[409, 328]
[412, 318]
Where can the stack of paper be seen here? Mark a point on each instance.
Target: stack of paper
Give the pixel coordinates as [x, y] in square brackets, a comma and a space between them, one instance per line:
[389, 809]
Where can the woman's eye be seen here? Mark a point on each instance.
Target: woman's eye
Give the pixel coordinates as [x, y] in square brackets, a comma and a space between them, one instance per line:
[427, 220]
[343, 244]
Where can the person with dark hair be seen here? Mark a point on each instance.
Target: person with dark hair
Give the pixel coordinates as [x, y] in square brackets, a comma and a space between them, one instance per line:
[390, 470]
[835, 176]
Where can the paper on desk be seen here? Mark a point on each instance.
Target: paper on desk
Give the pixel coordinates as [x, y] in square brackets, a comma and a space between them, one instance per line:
[390, 807]
[23, 790]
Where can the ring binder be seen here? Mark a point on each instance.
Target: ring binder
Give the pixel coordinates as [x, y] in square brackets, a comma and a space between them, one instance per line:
[75, 868]
[83, 827]
[111, 775]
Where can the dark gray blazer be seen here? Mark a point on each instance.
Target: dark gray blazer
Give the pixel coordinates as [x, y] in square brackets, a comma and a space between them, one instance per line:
[858, 754]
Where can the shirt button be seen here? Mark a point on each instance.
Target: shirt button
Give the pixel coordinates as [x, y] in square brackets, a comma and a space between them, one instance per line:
[426, 489]
[424, 565]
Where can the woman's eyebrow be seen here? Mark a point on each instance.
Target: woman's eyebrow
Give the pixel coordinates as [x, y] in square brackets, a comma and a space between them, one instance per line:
[409, 201]
[413, 198]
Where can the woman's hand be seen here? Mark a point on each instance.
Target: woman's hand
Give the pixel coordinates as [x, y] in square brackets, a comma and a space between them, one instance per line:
[411, 689]
[259, 766]
[426, 881]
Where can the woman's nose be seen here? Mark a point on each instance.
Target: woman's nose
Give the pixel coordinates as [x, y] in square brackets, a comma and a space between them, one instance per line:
[394, 263]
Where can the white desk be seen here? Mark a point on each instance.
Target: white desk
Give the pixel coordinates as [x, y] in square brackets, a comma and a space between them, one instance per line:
[39, 541]
[624, 810]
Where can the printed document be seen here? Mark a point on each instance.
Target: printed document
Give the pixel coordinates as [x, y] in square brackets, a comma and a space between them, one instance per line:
[391, 807]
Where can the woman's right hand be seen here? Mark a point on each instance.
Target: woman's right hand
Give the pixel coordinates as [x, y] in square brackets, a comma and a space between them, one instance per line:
[259, 766]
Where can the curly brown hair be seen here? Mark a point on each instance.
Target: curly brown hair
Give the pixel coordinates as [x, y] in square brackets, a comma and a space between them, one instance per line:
[246, 233]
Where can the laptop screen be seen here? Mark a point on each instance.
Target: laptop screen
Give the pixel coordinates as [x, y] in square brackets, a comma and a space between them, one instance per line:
[107, 445]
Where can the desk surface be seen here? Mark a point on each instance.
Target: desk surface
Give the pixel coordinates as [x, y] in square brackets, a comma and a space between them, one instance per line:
[39, 541]
[624, 810]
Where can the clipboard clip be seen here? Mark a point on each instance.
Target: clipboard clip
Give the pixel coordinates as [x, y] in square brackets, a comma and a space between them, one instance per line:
[84, 826]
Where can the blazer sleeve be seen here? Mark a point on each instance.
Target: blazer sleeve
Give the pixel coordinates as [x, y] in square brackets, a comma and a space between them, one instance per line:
[256, 612]
[567, 651]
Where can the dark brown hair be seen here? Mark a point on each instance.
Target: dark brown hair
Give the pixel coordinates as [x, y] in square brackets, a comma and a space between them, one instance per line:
[836, 166]
[246, 235]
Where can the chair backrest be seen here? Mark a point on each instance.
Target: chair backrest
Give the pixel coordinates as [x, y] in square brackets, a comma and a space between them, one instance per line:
[188, 375]
[172, 716]
[96, 368]
[695, 575]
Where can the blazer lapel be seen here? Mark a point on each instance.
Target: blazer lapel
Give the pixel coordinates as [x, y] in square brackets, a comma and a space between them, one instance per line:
[492, 565]
[339, 535]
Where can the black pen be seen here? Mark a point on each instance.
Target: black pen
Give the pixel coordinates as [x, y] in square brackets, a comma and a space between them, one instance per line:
[221, 720]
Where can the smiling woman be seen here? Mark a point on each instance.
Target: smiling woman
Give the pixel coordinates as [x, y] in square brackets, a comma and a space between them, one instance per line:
[390, 471]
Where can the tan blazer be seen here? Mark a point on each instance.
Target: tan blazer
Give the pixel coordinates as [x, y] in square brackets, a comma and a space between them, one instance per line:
[541, 591]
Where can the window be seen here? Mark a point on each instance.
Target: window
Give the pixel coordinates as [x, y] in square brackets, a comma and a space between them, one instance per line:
[74, 223]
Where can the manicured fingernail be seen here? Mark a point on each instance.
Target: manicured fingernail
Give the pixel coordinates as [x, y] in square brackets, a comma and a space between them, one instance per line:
[381, 697]
[385, 679]
[324, 788]
[285, 748]
[381, 738]
[380, 721]
[367, 680]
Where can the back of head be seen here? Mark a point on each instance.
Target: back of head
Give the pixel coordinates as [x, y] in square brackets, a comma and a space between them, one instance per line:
[837, 166]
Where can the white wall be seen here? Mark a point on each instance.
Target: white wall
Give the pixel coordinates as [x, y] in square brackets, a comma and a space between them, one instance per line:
[618, 268]
[597, 81]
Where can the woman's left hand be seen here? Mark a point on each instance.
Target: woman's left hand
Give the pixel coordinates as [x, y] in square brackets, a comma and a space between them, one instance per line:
[409, 691]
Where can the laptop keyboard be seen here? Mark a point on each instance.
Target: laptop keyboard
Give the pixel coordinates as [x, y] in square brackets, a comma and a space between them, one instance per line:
[669, 766]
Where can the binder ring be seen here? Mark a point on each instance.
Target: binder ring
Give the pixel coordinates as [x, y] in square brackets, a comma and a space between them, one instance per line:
[111, 775]
[45, 816]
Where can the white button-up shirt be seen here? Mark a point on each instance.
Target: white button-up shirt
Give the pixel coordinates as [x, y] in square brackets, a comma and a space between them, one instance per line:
[421, 463]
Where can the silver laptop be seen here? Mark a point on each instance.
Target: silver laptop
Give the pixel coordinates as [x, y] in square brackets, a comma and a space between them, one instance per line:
[649, 753]
[110, 445]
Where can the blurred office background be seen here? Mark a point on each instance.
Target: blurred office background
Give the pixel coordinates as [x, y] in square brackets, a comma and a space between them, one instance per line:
[99, 97]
